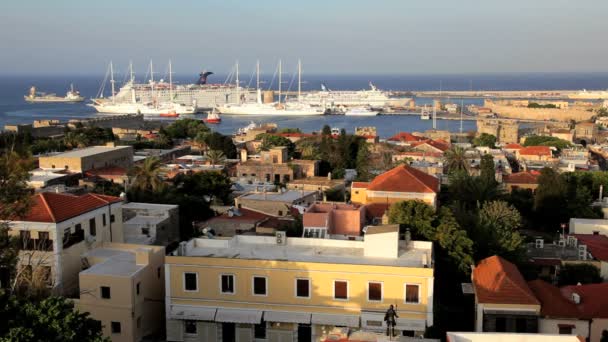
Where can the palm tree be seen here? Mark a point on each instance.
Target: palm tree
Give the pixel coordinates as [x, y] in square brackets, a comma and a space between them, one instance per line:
[216, 157]
[147, 175]
[455, 159]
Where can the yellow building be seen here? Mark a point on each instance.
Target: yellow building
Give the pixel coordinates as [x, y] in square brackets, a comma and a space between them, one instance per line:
[89, 158]
[398, 184]
[123, 288]
[260, 288]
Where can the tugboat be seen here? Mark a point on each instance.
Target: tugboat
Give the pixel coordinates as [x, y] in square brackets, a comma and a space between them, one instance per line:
[213, 118]
[169, 114]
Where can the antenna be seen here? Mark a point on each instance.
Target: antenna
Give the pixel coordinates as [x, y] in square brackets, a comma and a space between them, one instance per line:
[280, 72]
[152, 80]
[131, 74]
[434, 116]
[112, 81]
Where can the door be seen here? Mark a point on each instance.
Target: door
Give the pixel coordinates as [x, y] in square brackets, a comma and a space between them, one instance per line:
[228, 333]
[304, 333]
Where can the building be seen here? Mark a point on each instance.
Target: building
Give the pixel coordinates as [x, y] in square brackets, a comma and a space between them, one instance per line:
[508, 337]
[274, 166]
[436, 146]
[369, 133]
[122, 287]
[59, 228]
[504, 131]
[234, 222]
[150, 223]
[588, 226]
[296, 289]
[586, 131]
[276, 203]
[89, 158]
[521, 180]
[503, 300]
[534, 154]
[431, 157]
[404, 138]
[320, 184]
[564, 134]
[333, 220]
[398, 184]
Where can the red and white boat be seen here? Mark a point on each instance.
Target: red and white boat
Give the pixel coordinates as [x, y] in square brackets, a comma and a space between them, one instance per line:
[213, 118]
[169, 114]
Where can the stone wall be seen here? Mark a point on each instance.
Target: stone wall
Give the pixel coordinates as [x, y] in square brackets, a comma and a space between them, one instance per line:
[571, 113]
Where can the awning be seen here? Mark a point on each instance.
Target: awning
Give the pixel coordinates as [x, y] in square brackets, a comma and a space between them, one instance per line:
[199, 313]
[238, 316]
[287, 317]
[337, 320]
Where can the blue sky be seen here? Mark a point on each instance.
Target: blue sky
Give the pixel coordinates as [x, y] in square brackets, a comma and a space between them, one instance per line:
[331, 36]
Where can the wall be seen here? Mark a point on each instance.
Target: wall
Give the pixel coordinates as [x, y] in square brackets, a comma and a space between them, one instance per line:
[550, 326]
[588, 226]
[598, 325]
[571, 113]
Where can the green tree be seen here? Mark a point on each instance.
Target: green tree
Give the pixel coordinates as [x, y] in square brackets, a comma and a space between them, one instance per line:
[416, 216]
[185, 128]
[52, 319]
[108, 188]
[215, 186]
[487, 170]
[572, 274]
[455, 160]
[147, 175]
[363, 163]
[290, 130]
[216, 157]
[454, 240]
[541, 140]
[270, 140]
[550, 201]
[497, 230]
[485, 139]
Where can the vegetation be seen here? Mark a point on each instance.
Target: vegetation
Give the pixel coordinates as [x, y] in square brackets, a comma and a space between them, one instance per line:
[271, 140]
[572, 274]
[538, 105]
[147, 175]
[363, 163]
[289, 130]
[485, 139]
[455, 160]
[186, 129]
[217, 141]
[541, 140]
[216, 157]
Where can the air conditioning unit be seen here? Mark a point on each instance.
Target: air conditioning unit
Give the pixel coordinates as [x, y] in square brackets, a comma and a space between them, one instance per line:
[562, 243]
[182, 249]
[572, 241]
[281, 238]
[539, 243]
[582, 252]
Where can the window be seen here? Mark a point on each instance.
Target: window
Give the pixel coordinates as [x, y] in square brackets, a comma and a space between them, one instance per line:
[227, 283]
[280, 212]
[259, 330]
[139, 322]
[565, 329]
[303, 288]
[501, 324]
[190, 327]
[259, 286]
[521, 325]
[137, 288]
[105, 292]
[103, 219]
[158, 272]
[112, 218]
[92, 227]
[25, 239]
[341, 289]
[115, 327]
[374, 291]
[191, 281]
[412, 295]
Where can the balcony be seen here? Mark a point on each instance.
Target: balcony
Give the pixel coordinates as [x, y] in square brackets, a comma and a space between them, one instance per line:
[45, 245]
[73, 238]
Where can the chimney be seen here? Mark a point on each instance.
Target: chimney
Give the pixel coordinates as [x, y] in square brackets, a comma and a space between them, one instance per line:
[576, 298]
[601, 192]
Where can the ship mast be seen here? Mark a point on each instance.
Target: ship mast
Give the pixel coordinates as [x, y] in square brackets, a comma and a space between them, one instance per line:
[461, 107]
[152, 82]
[257, 73]
[434, 116]
[112, 82]
[170, 82]
[238, 89]
[299, 79]
[280, 68]
[131, 74]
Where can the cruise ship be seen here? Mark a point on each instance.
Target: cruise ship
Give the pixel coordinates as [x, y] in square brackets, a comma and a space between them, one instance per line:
[201, 96]
[372, 97]
[589, 95]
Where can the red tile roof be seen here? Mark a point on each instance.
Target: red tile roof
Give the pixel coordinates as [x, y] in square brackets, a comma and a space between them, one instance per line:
[513, 146]
[405, 136]
[535, 151]
[246, 215]
[421, 154]
[553, 303]
[404, 178]
[521, 178]
[375, 210]
[57, 207]
[107, 171]
[296, 135]
[594, 301]
[440, 145]
[597, 245]
[498, 281]
[359, 185]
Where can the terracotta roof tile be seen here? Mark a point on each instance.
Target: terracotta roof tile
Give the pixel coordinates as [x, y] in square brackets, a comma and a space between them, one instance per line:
[442, 146]
[521, 178]
[360, 185]
[404, 178]
[498, 281]
[535, 151]
[513, 146]
[405, 136]
[597, 245]
[58, 207]
[594, 301]
[553, 303]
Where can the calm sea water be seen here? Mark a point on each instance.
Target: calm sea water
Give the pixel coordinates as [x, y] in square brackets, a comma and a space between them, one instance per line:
[14, 110]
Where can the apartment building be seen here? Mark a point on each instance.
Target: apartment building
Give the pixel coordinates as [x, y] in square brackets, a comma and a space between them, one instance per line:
[59, 228]
[260, 288]
[122, 287]
[89, 158]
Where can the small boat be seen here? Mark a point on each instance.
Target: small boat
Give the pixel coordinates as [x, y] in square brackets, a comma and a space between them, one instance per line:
[424, 114]
[360, 111]
[213, 118]
[169, 114]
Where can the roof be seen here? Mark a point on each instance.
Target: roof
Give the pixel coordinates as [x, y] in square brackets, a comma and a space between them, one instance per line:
[438, 144]
[498, 281]
[420, 154]
[513, 146]
[58, 207]
[405, 136]
[244, 214]
[404, 178]
[90, 151]
[553, 303]
[597, 245]
[107, 171]
[521, 178]
[360, 185]
[594, 302]
[375, 210]
[287, 196]
[535, 151]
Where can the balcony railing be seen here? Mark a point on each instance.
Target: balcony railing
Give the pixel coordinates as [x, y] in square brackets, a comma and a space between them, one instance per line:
[37, 245]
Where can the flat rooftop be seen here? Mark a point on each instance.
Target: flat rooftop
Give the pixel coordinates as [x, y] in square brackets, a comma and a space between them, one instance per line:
[88, 151]
[115, 261]
[287, 196]
[252, 247]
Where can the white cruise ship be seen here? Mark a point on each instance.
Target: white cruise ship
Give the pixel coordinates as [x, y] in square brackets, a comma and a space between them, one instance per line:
[360, 111]
[327, 98]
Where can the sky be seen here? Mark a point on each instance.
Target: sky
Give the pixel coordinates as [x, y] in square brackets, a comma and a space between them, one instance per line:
[331, 36]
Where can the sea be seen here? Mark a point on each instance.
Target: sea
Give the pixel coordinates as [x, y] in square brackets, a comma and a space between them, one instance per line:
[14, 110]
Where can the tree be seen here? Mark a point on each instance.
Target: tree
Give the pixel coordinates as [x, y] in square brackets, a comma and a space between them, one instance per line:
[541, 140]
[363, 163]
[216, 157]
[290, 130]
[52, 319]
[485, 139]
[487, 170]
[497, 230]
[572, 274]
[456, 160]
[215, 186]
[147, 175]
[185, 128]
[550, 202]
[217, 141]
[416, 216]
[270, 140]
[454, 240]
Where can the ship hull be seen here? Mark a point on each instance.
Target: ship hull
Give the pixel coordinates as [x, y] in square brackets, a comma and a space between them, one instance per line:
[52, 100]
